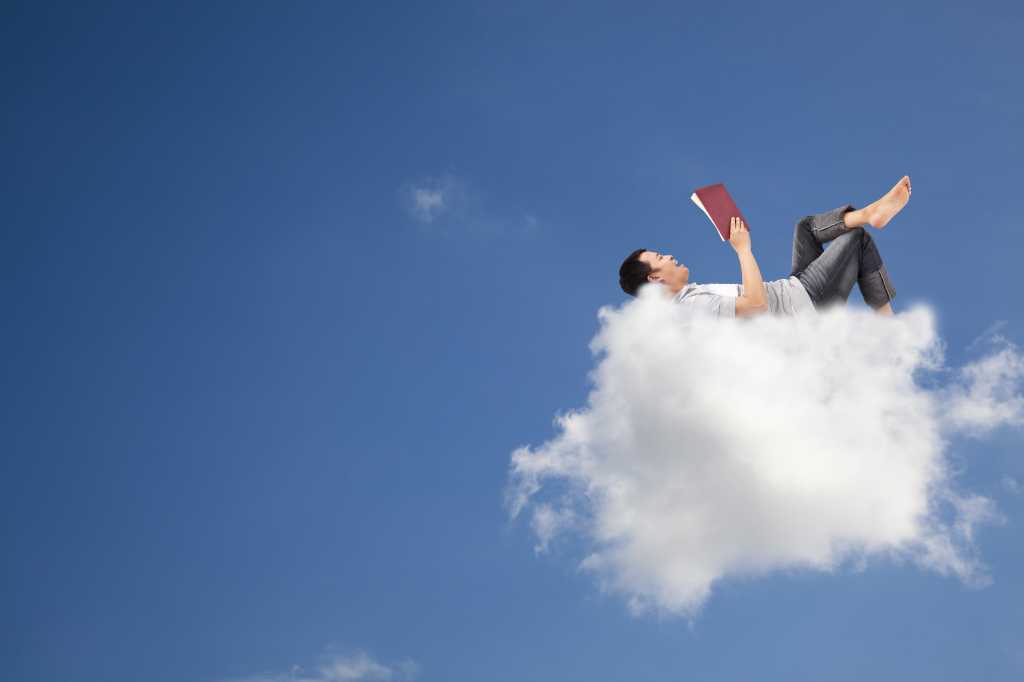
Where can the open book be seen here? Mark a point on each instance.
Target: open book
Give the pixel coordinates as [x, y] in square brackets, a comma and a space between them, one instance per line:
[718, 206]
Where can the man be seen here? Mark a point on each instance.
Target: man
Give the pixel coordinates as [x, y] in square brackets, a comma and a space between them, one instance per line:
[819, 276]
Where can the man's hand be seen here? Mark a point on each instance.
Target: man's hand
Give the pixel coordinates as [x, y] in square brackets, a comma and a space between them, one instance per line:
[754, 300]
[739, 235]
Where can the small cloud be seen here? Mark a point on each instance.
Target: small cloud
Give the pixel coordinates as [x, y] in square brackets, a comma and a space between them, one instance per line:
[986, 397]
[433, 198]
[447, 204]
[358, 666]
[355, 666]
[1012, 485]
[427, 203]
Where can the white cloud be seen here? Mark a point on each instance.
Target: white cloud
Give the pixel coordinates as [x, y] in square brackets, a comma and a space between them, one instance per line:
[547, 522]
[432, 198]
[709, 449]
[427, 202]
[447, 204]
[357, 667]
[985, 397]
[351, 667]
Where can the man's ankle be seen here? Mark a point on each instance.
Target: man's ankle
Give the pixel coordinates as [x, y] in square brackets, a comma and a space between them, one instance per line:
[856, 218]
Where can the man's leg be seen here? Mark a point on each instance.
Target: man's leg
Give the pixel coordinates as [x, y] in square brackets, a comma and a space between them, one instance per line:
[851, 258]
[812, 232]
[829, 278]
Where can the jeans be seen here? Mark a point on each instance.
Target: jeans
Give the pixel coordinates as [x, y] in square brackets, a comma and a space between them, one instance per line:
[828, 274]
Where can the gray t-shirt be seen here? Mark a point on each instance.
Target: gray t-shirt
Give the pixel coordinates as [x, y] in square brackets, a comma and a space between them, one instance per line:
[785, 297]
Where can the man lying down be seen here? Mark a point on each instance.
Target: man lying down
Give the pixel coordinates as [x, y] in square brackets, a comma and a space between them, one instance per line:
[820, 277]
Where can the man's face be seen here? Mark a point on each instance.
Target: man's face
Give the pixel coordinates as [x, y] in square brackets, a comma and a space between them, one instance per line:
[665, 269]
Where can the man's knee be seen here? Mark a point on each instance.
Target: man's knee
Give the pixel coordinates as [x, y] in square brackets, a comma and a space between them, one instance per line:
[854, 235]
[804, 229]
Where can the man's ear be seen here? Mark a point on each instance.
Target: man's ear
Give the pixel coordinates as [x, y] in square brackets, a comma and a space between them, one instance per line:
[653, 279]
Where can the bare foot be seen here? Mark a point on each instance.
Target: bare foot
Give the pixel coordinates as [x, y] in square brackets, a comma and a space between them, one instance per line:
[882, 211]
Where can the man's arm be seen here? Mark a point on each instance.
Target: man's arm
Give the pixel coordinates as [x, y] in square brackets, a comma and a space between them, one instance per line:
[753, 301]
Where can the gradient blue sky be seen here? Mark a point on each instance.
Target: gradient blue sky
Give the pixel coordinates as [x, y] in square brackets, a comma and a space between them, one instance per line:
[254, 408]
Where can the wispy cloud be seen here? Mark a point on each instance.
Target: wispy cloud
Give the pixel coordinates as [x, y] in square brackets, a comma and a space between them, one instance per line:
[333, 667]
[435, 198]
[427, 203]
[985, 396]
[449, 205]
[548, 521]
[709, 449]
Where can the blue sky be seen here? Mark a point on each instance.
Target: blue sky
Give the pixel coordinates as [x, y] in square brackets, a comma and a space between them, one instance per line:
[259, 411]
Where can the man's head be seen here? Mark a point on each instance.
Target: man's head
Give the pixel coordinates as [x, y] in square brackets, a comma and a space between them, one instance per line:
[643, 266]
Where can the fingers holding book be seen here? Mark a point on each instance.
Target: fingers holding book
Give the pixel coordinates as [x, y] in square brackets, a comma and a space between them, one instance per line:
[739, 235]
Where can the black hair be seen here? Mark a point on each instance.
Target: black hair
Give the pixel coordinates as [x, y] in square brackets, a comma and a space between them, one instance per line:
[633, 272]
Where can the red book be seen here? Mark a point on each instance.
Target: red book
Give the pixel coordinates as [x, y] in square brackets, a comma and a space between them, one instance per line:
[719, 207]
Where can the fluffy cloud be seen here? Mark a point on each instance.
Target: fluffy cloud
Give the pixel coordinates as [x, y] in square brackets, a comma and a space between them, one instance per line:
[710, 449]
[353, 667]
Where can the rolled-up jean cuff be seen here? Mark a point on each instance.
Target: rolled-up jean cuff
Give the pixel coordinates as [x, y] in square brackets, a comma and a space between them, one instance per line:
[890, 290]
[830, 224]
[878, 289]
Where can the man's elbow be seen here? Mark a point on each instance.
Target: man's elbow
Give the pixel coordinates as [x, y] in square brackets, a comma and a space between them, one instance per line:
[746, 307]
